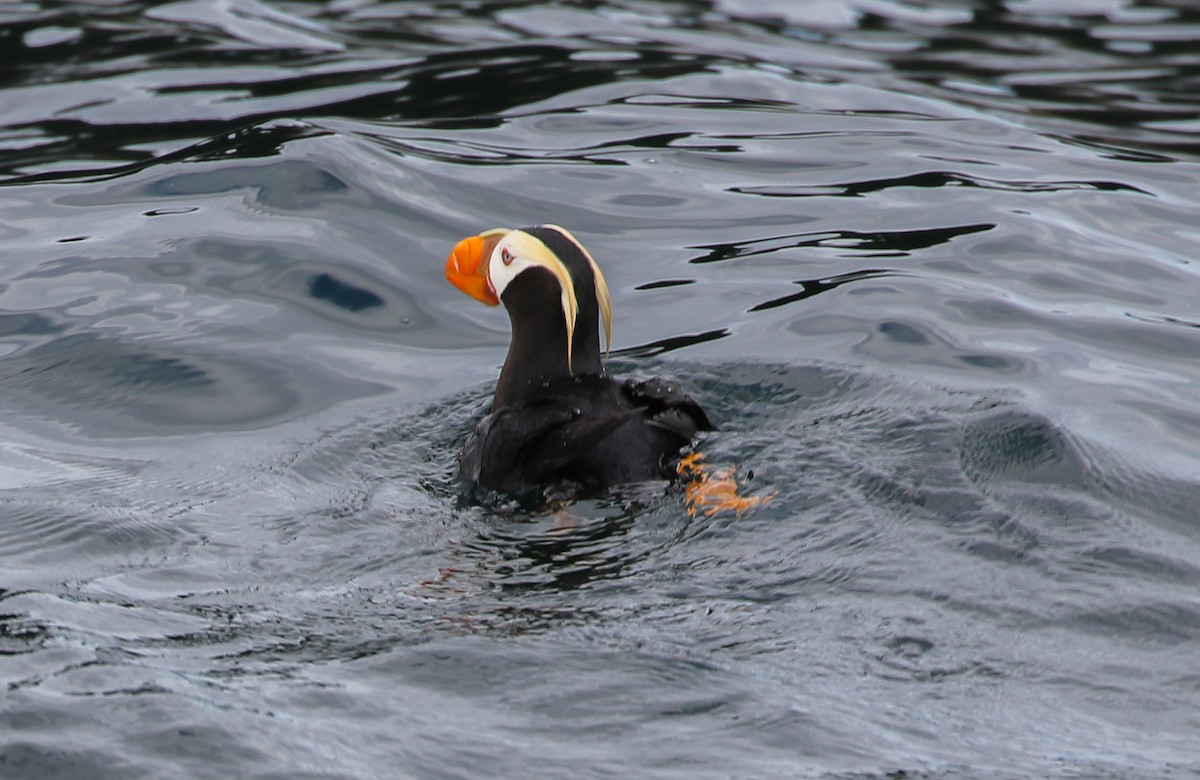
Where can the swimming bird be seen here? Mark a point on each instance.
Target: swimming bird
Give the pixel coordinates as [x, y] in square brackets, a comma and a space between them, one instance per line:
[557, 416]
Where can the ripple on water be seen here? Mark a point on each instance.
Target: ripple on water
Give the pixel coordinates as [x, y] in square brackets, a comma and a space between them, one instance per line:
[733, 626]
[86, 380]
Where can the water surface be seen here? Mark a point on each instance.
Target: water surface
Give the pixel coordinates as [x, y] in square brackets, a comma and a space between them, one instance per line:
[931, 266]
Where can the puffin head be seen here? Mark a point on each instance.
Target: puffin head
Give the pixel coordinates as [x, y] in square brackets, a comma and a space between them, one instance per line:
[487, 265]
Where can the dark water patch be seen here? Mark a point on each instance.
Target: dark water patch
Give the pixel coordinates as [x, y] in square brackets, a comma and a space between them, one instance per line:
[19, 634]
[665, 283]
[1127, 83]
[31, 759]
[244, 143]
[813, 287]
[27, 324]
[663, 346]
[436, 86]
[898, 242]
[906, 334]
[326, 288]
[935, 179]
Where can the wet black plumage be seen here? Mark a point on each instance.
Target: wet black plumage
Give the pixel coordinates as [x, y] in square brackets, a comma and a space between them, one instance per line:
[550, 423]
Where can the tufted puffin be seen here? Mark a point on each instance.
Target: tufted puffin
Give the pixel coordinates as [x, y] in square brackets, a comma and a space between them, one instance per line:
[557, 416]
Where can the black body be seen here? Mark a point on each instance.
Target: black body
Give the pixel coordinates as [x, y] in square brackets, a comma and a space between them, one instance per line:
[592, 430]
[549, 424]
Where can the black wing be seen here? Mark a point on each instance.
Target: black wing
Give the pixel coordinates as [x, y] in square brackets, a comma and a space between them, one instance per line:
[566, 443]
[512, 448]
[668, 407]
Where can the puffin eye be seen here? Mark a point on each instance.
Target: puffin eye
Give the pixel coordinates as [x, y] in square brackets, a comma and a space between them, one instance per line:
[506, 256]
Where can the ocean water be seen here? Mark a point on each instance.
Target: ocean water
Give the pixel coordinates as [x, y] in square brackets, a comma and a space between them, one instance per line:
[931, 266]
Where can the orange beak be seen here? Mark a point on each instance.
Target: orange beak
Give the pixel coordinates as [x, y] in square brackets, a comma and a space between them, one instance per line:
[467, 266]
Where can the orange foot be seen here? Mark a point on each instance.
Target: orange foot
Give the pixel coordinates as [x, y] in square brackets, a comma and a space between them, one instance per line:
[714, 490]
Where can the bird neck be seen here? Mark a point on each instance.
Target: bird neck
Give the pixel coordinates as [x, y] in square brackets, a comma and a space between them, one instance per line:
[537, 354]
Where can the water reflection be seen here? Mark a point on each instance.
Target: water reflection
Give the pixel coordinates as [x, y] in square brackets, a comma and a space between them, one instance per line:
[811, 287]
[662, 346]
[932, 179]
[562, 550]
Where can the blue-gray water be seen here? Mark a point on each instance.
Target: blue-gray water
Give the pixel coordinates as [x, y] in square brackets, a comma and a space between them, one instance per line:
[930, 265]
